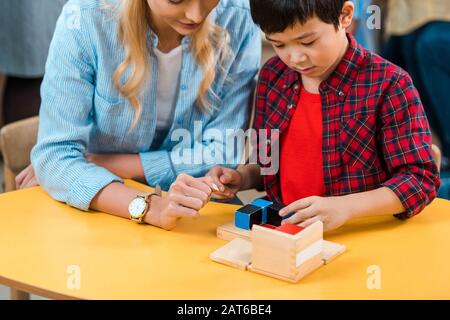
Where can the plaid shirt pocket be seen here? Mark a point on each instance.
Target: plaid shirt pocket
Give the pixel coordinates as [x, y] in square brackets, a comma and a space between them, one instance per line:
[357, 142]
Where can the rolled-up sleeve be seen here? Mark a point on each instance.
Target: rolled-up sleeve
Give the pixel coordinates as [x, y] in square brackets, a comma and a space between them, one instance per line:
[66, 118]
[406, 143]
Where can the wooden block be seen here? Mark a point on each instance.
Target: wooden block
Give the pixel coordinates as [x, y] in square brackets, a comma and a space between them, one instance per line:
[274, 261]
[229, 231]
[236, 253]
[263, 204]
[308, 267]
[247, 216]
[290, 228]
[286, 263]
[273, 216]
[265, 225]
[280, 240]
[285, 254]
[274, 253]
[331, 250]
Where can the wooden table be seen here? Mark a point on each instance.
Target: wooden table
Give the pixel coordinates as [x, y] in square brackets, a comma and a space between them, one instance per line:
[48, 248]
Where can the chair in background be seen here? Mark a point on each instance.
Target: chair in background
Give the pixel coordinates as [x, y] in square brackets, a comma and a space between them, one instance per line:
[16, 141]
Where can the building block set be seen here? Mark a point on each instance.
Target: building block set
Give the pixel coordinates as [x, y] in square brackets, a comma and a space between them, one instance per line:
[259, 243]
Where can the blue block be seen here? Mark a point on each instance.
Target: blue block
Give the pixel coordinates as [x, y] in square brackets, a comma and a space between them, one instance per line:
[247, 216]
[263, 204]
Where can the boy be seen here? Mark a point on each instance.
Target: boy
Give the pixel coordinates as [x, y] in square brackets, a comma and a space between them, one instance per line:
[354, 138]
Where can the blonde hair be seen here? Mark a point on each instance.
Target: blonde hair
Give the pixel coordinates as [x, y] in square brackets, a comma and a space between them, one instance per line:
[209, 46]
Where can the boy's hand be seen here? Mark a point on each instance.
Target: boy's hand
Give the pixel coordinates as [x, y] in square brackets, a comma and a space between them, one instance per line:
[227, 181]
[332, 211]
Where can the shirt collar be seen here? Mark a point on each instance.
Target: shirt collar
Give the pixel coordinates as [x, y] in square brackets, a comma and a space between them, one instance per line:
[342, 78]
[152, 39]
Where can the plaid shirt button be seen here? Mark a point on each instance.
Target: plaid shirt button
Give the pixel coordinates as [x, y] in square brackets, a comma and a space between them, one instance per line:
[341, 94]
[290, 106]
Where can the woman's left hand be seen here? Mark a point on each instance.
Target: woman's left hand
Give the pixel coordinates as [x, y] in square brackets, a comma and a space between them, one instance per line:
[332, 211]
[26, 178]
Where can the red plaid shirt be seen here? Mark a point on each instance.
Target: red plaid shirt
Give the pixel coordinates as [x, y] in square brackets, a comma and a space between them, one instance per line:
[375, 131]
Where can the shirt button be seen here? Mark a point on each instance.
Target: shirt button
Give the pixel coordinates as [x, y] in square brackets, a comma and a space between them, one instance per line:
[290, 106]
[296, 87]
[284, 86]
[341, 94]
[268, 141]
[183, 87]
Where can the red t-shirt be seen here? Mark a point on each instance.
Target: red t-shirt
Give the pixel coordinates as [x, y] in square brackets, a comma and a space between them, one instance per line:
[301, 168]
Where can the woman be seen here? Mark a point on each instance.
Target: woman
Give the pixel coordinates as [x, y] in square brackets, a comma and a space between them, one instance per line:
[114, 102]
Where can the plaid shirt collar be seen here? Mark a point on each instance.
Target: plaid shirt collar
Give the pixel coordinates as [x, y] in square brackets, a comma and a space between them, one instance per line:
[341, 79]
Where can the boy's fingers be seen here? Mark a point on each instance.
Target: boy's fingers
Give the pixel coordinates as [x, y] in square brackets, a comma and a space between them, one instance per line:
[227, 178]
[309, 222]
[300, 216]
[214, 183]
[220, 196]
[215, 172]
[226, 194]
[296, 206]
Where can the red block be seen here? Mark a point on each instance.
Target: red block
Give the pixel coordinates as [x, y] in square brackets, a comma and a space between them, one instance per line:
[290, 228]
[265, 225]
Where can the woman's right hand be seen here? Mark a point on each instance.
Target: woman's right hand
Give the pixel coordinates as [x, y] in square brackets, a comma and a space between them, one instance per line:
[26, 178]
[229, 182]
[186, 196]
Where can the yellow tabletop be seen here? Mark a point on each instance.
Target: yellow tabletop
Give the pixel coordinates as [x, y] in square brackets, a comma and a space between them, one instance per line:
[40, 239]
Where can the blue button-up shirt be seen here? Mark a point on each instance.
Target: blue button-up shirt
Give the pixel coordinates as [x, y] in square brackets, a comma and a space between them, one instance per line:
[82, 111]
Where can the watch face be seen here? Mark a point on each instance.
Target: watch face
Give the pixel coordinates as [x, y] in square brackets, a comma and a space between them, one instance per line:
[137, 207]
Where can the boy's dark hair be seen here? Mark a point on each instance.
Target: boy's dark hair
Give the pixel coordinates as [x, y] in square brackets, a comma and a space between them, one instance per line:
[275, 16]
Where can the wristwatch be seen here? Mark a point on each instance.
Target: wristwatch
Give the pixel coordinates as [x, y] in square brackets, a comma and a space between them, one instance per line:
[140, 205]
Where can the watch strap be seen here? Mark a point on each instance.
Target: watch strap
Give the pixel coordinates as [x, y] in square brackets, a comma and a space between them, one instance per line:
[148, 199]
